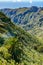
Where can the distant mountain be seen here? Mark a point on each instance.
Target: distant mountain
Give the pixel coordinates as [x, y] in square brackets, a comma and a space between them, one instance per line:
[30, 19]
[17, 47]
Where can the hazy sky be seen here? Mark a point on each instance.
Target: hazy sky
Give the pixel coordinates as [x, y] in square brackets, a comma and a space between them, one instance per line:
[20, 3]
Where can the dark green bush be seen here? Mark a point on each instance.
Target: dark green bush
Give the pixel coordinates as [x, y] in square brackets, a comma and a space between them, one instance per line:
[1, 41]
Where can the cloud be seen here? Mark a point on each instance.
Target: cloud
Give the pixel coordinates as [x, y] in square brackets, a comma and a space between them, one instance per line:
[24, 1]
[37, 0]
[16, 1]
[30, 1]
[4, 0]
[21, 1]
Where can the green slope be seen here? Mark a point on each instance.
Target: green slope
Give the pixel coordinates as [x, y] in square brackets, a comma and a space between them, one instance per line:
[17, 47]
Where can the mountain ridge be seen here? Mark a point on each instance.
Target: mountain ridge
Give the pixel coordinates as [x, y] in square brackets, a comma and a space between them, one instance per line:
[30, 19]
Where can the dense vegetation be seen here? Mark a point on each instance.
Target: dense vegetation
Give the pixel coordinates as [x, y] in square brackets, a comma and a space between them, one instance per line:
[17, 47]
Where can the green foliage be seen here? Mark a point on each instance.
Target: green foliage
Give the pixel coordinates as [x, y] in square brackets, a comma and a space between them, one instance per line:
[4, 18]
[1, 41]
[4, 53]
[40, 49]
[19, 47]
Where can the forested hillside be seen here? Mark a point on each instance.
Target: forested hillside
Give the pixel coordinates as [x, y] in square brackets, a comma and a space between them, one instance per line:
[18, 47]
